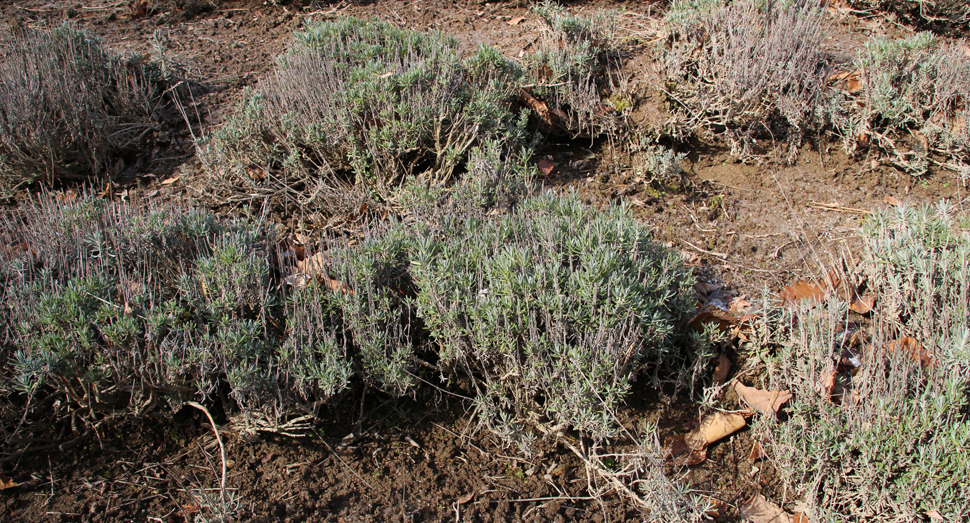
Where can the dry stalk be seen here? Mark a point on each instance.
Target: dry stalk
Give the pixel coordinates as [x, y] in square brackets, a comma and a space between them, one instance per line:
[592, 465]
[222, 448]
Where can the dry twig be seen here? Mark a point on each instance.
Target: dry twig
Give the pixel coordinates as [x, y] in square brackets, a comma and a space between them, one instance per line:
[222, 448]
[838, 208]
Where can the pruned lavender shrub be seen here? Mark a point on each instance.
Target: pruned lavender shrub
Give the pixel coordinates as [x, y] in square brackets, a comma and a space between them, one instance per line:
[544, 307]
[571, 68]
[655, 164]
[69, 109]
[940, 15]
[748, 73]
[549, 311]
[885, 440]
[117, 305]
[911, 102]
[355, 109]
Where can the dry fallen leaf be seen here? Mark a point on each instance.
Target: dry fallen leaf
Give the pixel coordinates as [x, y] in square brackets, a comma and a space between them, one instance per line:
[685, 449]
[466, 498]
[835, 284]
[312, 265]
[853, 80]
[853, 83]
[800, 517]
[6, 482]
[764, 401]
[713, 315]
[801, 290]
[914, 350]
[718, 425]
[516, 21]
[722, 370]
[863, 304]
[316, 266]
[298, 280]
[691, 448]
[139, 8]
[336, 285]
[760, 510]
[705, 288]
[838, 76]
[716, 508]
[66, 196]
[546, 166]
[739, 304]
[890, 200]
[170, 181]
[935, 515]
[835, 386]
[829, 385]
[743, 325]
[756, 452]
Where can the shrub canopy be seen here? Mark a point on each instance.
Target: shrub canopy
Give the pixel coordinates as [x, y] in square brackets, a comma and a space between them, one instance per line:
[69, 109]
[356, 108]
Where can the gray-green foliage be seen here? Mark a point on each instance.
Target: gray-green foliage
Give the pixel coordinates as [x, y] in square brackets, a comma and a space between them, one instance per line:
[361, 106]
[69, 108]
[656, 164]
[912, 101]
[549, 311]
[137, 305]
[315, 352]
[545, 307]
[567, 69]
[375, 309]
[747, 71]
[496, 181]
[891, 446]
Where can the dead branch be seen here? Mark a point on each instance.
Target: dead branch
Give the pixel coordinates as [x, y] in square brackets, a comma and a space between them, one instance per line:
[551, 119]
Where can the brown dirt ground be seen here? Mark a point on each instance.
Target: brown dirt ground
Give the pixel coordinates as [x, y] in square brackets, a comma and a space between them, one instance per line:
[746, 227]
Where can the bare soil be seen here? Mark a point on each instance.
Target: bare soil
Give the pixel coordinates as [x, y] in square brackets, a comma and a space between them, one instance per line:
[748, 227]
